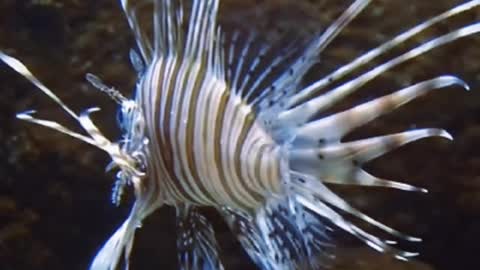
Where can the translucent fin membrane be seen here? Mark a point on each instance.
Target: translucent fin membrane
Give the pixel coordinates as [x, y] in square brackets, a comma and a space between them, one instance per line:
[282, 235]
[196, 244]
[279, 230]
[243, 226]
[312, 194]
[257, 68]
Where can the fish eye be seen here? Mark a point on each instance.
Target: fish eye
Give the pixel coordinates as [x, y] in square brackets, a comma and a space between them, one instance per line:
[140, 161]
[120, 117]
[136, 61]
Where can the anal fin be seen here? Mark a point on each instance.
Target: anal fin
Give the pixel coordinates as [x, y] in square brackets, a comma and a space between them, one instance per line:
[281, 235]
[196, 243]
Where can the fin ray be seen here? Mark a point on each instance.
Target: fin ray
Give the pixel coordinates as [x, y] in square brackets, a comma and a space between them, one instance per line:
[304, 112]
[334, 127]
[143, 42]
[374, 53]
[305, 61]
[197, 247]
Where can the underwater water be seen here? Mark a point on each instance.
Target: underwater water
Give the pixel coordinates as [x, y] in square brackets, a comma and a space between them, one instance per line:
[55, 196]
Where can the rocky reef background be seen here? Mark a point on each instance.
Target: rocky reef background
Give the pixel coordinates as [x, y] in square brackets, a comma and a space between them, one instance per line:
[55, 208]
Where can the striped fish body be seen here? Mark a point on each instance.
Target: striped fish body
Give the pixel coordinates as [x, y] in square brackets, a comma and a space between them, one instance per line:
[214, 122]
[206, 142]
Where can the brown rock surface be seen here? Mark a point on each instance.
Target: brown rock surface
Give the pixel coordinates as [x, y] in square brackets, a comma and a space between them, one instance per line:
[54, 195]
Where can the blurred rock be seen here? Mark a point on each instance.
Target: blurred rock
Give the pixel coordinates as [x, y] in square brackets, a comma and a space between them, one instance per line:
[54, 195]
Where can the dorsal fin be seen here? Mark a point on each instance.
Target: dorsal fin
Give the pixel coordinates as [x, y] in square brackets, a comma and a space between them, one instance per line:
[144, 43]
[254, 65]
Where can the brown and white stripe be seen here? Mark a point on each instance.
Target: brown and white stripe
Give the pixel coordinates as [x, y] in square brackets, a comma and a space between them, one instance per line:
[206, 143]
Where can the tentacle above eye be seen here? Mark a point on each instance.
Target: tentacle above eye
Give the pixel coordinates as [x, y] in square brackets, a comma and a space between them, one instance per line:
[19, 67]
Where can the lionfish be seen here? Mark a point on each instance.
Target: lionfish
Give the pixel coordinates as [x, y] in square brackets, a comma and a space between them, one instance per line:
[214, 123]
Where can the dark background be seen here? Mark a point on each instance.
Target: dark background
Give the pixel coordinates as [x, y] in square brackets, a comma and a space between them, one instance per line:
[55, 208]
